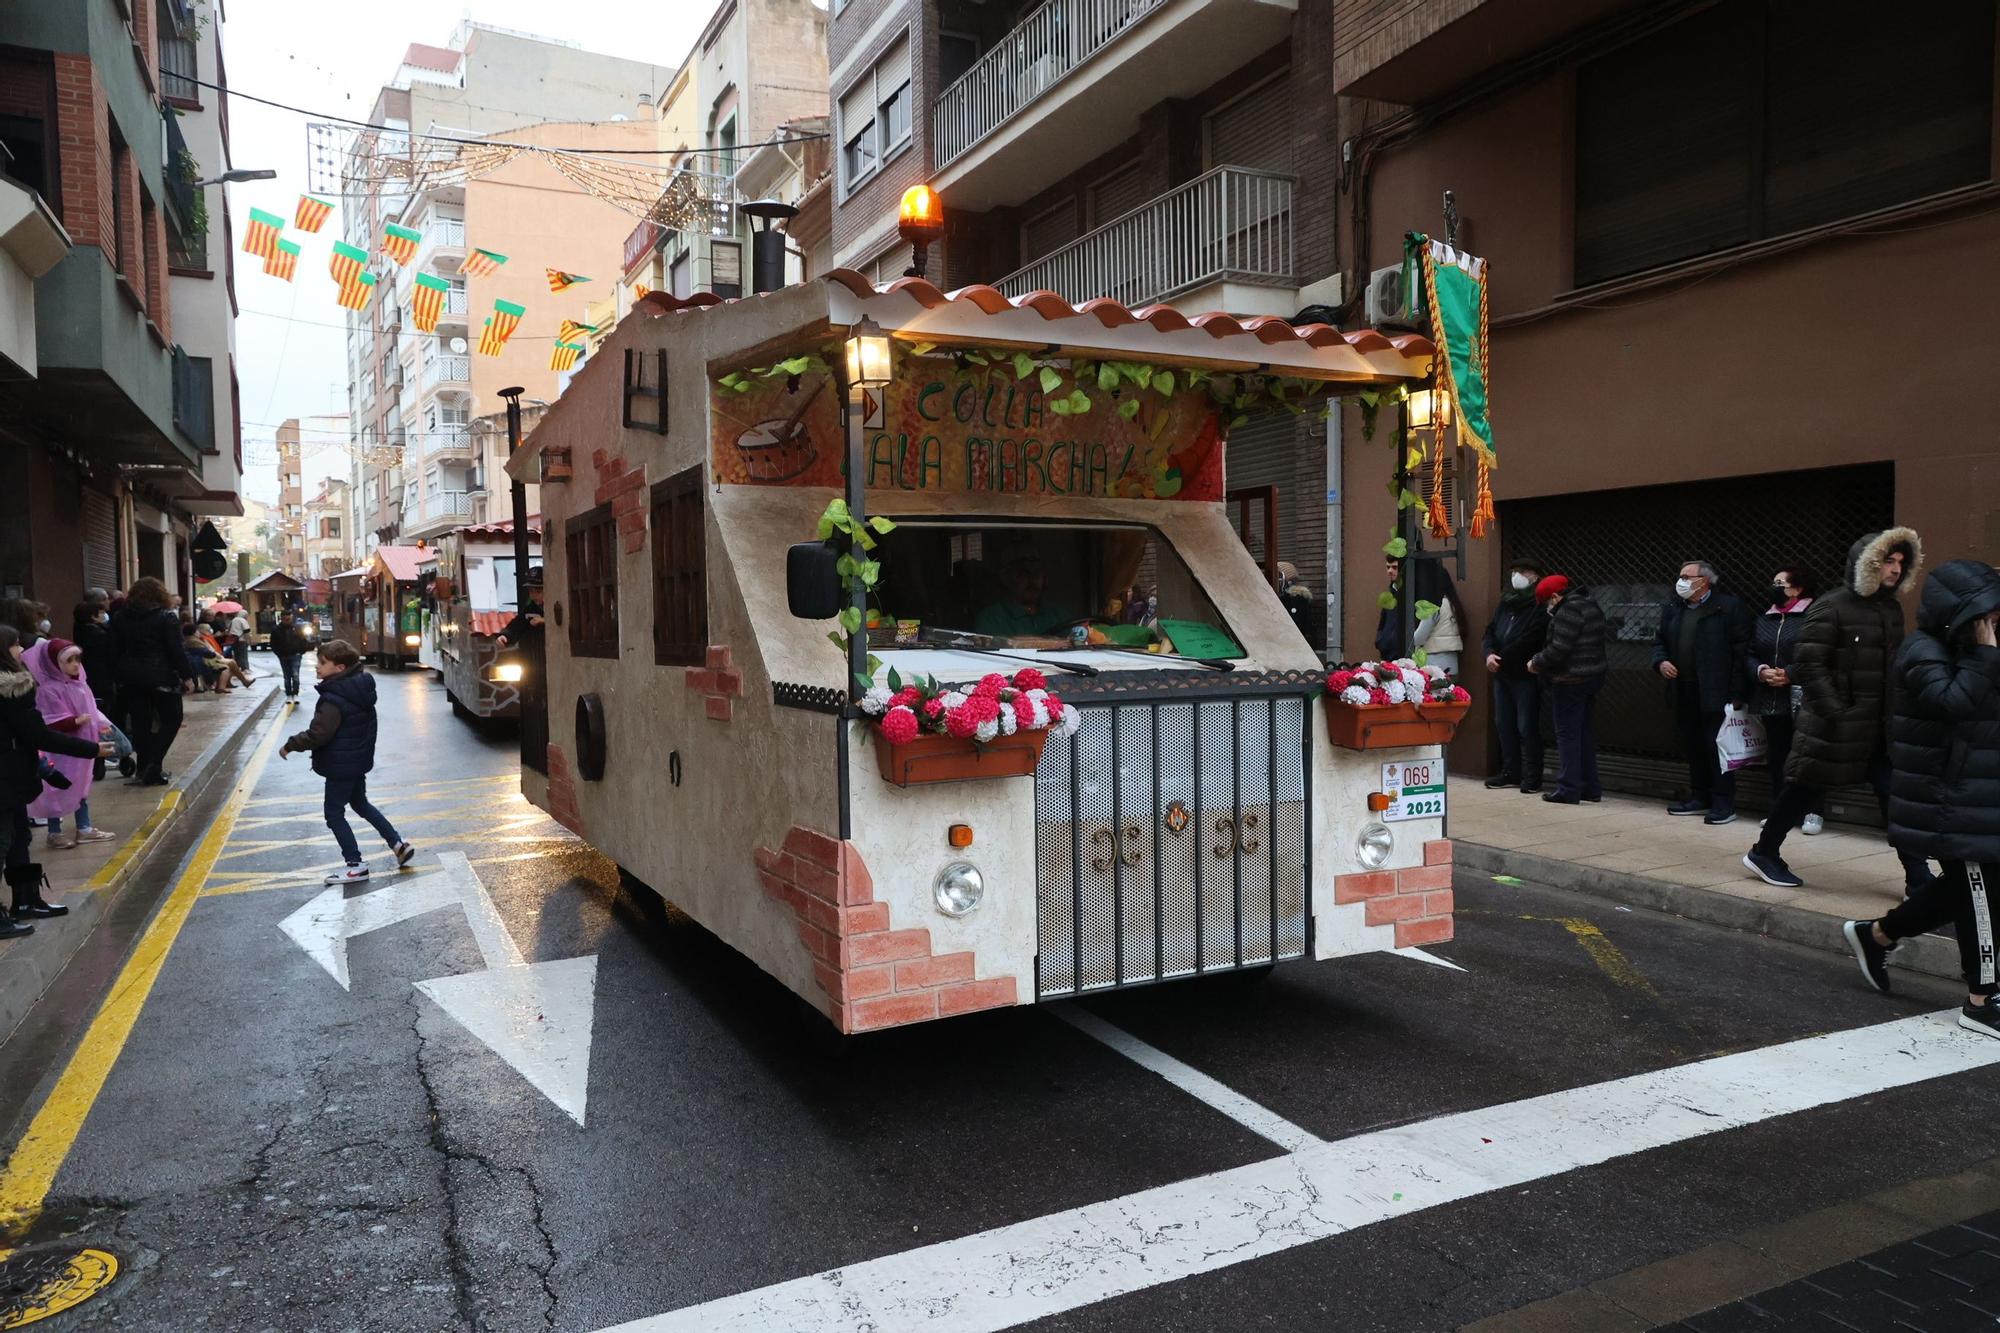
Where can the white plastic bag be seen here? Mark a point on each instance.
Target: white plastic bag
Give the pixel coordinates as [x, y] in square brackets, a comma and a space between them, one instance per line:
[1741, 741]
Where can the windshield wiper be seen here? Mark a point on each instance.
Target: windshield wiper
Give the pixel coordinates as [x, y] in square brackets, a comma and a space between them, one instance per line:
[1079, 668]
[1213, 663]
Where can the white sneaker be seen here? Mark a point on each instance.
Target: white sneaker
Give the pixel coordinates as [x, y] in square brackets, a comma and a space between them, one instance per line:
[1813, 826]
[351, 875]
[403, 853]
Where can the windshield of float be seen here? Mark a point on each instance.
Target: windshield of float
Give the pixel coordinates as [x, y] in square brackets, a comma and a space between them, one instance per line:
[977, 583]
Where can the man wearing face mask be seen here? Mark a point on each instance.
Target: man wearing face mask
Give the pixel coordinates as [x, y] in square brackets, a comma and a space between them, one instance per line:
[1516, 633]
[1704, 641]
[1843, 662]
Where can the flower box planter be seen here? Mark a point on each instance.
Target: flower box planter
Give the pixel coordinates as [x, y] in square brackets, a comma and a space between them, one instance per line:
[1391, 726]
[950, 759]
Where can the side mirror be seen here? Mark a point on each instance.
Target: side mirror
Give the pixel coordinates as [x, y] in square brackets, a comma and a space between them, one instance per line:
[812, 580]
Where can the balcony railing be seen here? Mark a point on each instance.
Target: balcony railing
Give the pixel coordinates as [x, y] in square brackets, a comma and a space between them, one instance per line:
[449, 440]
[1027, 62]
[455, 302]
[1233, 224]
[194, 397]
[448, 371]
[440, 234]
[445, 507]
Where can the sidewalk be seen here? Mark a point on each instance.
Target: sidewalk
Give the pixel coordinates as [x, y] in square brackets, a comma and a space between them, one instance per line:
[1629, 850]
[89, 877]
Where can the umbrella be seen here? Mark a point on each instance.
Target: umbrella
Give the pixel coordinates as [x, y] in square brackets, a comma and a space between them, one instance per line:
[227, 608]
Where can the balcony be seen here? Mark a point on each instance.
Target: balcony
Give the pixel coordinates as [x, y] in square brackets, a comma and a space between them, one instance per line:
[448, 373]
[453, 441]
[455, 306]
[1071, 80]
[438, 512]
[443, 245]
[1223, 241]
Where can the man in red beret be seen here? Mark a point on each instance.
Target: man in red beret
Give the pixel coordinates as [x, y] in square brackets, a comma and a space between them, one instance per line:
[1574, 663]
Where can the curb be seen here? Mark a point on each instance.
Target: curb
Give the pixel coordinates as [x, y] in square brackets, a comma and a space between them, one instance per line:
[25, 980]
[1926, 955]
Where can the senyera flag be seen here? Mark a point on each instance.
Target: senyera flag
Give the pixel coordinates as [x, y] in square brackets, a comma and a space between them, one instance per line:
[310, 213]
[400, 243]
[284, 262]
[564, 355]
[261, 239]
[346, 262]
[506, 318]
[427, 302]
[490, 342]
[571, 331]
[561, 281]
[354, 295]
[481, 263]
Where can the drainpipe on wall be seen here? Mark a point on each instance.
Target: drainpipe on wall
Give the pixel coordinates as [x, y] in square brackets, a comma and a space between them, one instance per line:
[1334, 627]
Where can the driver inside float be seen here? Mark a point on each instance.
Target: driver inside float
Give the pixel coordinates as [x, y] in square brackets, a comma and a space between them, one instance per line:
[1022, 610]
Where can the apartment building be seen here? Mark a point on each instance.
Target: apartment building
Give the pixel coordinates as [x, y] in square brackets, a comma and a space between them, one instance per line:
[1152, 151]
[414, 395]
[1709, 228]
[743, 119]
[291, 501]
[119, 427]
[329, 541]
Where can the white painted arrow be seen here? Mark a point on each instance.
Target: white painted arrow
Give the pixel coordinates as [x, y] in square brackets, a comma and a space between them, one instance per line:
[535, 1016]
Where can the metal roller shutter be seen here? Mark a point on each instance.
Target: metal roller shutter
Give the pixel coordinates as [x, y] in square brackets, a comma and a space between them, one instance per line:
[1117, 194]
[100, 541]
[1275, 449]
[1255, 130]
[1048, 231]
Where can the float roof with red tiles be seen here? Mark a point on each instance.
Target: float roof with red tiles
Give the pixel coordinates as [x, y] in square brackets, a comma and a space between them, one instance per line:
[403, 562]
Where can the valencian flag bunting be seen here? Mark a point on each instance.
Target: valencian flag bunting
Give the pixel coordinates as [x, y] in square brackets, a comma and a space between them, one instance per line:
[311, 213]
[481, 263]
[284, 261]
[564, 356]
[571, 331]
[500, 327]
[346, 263]
[262, 237]
[490, 342]
[1458, 305]
[427, 302]
[561, 281]
[354, 295]
[400, 243]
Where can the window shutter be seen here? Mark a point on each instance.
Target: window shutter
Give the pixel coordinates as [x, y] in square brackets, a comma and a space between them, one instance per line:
[1255, 130]
[857, 108]
[1048, 231]
[100, 541]
[893, 70]
[680, 572]
[1117, 194]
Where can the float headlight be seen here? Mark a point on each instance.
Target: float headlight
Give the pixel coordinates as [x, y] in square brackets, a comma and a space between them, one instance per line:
[1375, 844]
[959, 888]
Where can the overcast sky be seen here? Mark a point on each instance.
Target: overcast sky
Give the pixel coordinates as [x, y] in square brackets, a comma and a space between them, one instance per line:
[291, 353]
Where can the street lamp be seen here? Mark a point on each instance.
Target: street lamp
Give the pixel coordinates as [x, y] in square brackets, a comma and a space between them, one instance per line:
[920, 219]
[238, 176]
[1429, 408]
[867, 355]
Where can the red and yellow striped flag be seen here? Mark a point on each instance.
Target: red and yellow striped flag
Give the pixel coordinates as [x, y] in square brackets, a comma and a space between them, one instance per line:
[427, 302]
[640, 291]
[346, 262]
[283, 262]
[310, 213]
[506, 318]
[400, 243]
[561, 281]
[572, 332]
[490, 342]
[564, 356]
[355, 295]
[481, 263]
[262, 237]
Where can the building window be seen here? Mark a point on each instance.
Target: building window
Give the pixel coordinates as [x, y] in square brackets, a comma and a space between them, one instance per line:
[875, 116]
[1748, 121]
[680, 572]
[592, 546]
[957, 53]
[178, 65]
[121, 203]
[24, 153]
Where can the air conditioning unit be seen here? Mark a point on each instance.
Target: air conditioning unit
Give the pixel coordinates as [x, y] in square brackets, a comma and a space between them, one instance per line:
[1394, 303]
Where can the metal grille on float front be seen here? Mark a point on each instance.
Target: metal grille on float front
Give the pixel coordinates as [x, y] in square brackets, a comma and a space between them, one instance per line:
[1171, 840]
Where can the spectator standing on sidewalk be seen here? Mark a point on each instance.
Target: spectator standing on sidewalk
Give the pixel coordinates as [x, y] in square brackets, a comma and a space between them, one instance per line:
[1944, 789]
[1518, 630]
[239, 639]
[23, 738]
[1573, 662]
[1841, 735]
[1774, 699]
[1701, 651]
[153, 670]
[64, 698]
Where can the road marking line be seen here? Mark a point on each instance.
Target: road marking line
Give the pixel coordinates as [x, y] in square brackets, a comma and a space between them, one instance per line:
[1609, 959]
[1065, 1261]
[1193, 1082]
[136, 841]
[31, 1170]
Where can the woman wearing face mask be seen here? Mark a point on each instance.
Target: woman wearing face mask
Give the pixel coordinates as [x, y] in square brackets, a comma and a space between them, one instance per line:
[1775, 698]
[153, 671]
[23, 738]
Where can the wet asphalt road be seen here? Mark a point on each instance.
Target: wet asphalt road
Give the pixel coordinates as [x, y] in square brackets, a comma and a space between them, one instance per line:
[272, 1152]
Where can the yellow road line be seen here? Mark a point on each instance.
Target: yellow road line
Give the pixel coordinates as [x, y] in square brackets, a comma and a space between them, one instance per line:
[31, 1170]
[136, 843]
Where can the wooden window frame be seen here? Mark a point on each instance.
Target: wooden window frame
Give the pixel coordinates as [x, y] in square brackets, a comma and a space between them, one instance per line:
[591, 551]
[680, 570]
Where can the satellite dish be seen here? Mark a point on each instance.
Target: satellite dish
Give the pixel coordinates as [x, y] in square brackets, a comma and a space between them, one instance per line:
[458, 346]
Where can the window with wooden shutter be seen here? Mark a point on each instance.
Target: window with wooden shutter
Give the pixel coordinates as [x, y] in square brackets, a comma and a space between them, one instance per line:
[680, 571]
[592, 547]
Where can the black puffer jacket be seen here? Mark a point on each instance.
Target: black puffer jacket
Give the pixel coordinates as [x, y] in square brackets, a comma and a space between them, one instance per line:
[23, 736]
[1944, 736]
[342, 734]
[1776, 645]
[148, 647]
[1516, 633]
[1845, 651]
[1575, 651]
[1722, 639]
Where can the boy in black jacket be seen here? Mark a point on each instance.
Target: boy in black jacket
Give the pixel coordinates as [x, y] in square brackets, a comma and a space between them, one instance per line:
[342, 739]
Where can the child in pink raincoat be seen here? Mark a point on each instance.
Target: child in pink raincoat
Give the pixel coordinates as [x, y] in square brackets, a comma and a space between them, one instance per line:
[62, 693]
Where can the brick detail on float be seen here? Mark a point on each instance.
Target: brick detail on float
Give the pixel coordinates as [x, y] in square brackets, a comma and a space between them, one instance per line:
[623, 487]
[1416, 900]
[718, 681]
[562, 792]
[869, 974]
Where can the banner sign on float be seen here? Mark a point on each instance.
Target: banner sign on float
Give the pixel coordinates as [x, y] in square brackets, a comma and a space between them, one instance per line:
[946, 429]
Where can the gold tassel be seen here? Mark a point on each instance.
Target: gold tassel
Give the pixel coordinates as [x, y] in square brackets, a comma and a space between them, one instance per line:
[1439, 517]
[1482, 512]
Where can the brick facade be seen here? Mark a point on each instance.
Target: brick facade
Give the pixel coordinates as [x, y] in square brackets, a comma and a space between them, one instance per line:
[1416, 900]
[623, 487]
[718, 681]
[1369, 33]
[868, 214]
[869, 974]
[83, 132]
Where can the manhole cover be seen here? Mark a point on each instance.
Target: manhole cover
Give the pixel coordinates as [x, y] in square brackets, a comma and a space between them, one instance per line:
[47, 1282]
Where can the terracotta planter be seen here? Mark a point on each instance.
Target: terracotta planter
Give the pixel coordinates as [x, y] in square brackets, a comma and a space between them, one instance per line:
[1391, 726]
[949, 759]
